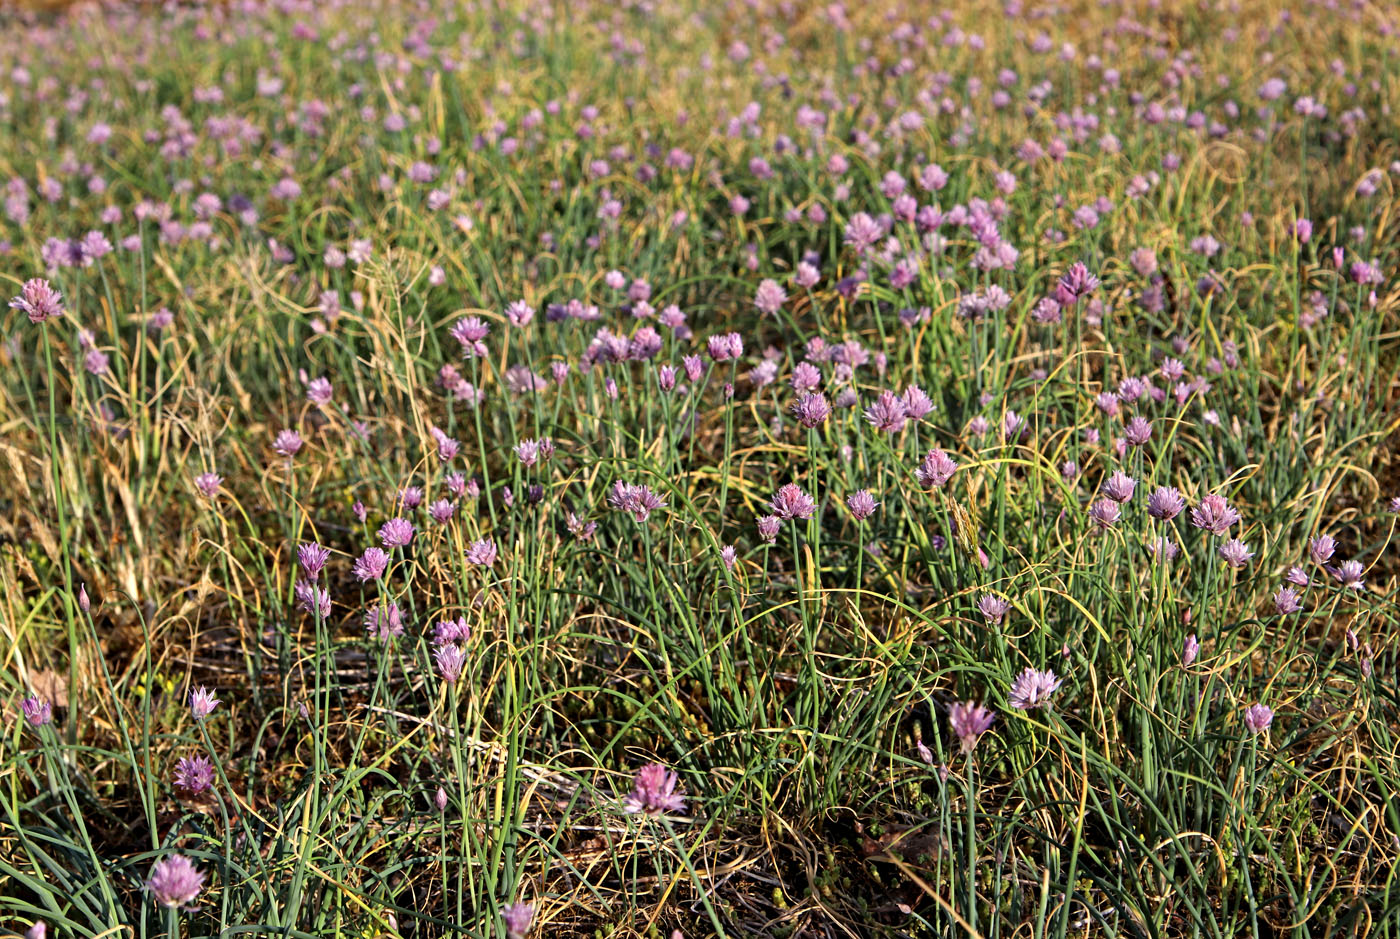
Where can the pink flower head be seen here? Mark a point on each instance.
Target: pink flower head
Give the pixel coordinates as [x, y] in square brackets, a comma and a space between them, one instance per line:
[312, 558]
[1236, 553]
[936, 469]
[1349, 574]
[811, 410]
[992, 607]
[1258, 717]
[969, 722]
[637, 500]
[1138, 431]
[1165, 503]
[1104, 513]
[194, 774]
[887, 413]
[1321, 549]
[371, 565]
[202, 703]
[287, 443]
[917, 404]
[396, 533]
[471, 334]
[37, 711]
[862, 504]
[319, 391]
[654, 792]
[482, 553]
[38, 301]
[1214, 514]
[1032, 689]
[208, 484]
[384, 622]
[518, 917]
[175, 882]
[450, 658]
[791, 502]
[1190, 648]
[725, 346]
[1286, 601]
[770, 297]
[1119, 487]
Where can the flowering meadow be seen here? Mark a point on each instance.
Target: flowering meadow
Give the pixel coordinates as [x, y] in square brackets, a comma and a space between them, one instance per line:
[666, 469]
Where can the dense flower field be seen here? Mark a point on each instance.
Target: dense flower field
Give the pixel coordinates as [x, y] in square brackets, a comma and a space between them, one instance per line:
[511, 469]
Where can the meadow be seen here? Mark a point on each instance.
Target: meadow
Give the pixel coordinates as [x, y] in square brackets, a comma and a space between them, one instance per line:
[667, 469]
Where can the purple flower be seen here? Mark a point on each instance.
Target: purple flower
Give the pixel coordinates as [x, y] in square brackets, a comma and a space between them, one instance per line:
[482, 553]
[202, 703]
[770, 297]
[312, 558]
[724, 347]
[791, 502]
[1296, 576]
[993, 608]
[1032, 689]
[862, 504]
[471, 334]
[287, 443]
[208, 484]
[1258, 717]
[441, 511]
[313, 599]
[812, 410]
[384, 624]
[862, 232]
[1119, 487]
[1321, 549]
[1075, 284]
[936, 469]
[728, 555]
[175, 882]
[1349, 573]
[768, 528]
[1286, 601]
[1163, 550]
[1104, 513]
[38, 301]
[518, 917]
[37, 711]
[194, 774]
[1189, 650]
[396, 533]
[319, 391]
[1214, 514]
[1013, 426]
[654, 792]
[1138, 431]
[450, 658]
[451, 630]
[1236, 553]
[530, 452]
[969, 721]
[1165, 503]
[917, 404]
[371, 565]
[887, 413]
[637, 500]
